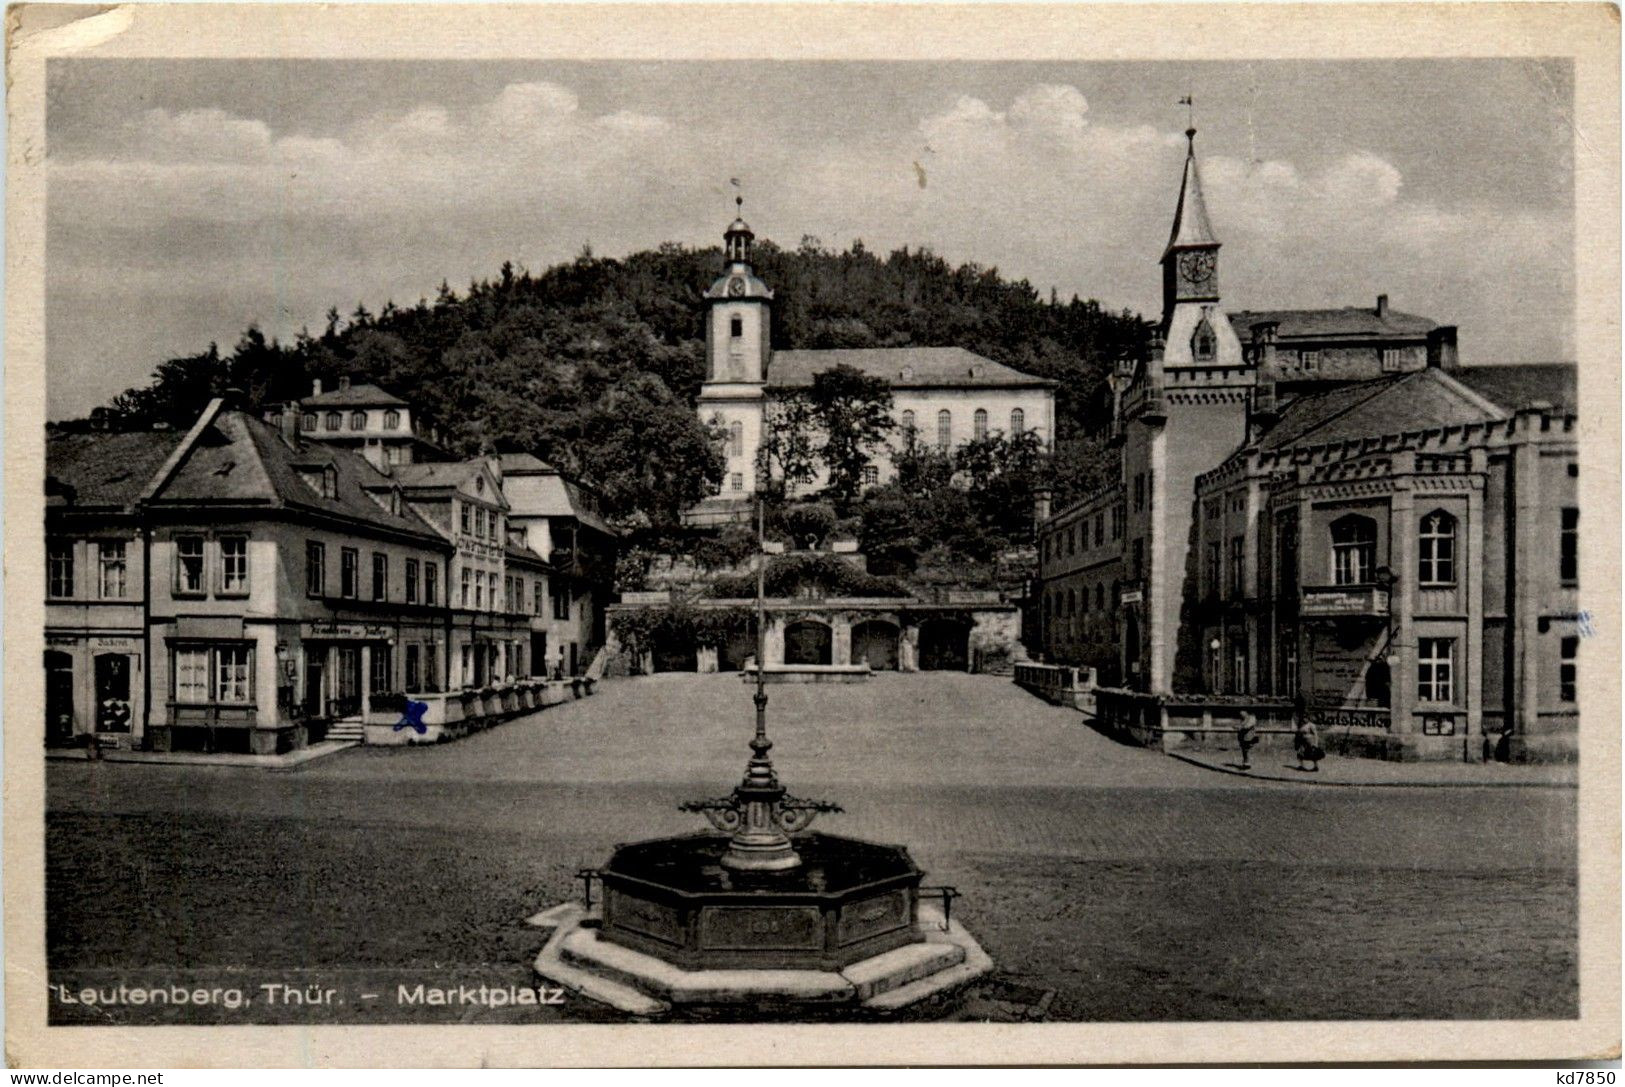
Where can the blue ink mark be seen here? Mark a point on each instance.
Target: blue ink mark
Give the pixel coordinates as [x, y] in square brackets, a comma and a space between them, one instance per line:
[413, 718]
[1584, 620]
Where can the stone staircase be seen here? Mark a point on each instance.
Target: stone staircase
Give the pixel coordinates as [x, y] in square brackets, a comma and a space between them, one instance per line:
[346, 730]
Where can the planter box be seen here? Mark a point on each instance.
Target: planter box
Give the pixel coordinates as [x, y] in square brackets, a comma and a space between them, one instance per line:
[554, 692]
[508, 699]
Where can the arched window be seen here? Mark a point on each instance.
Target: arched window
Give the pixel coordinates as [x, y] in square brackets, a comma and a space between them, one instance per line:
[358, 420]
[736, 439]
[334, 420]
[1100, 596]
[979, 424]
[308, 422]
[1436, 550]
[392, 419]
[1354, 550]
[1018, 421]
[1071, 607]
[908, 423]
[945, 428]
[1203, 345]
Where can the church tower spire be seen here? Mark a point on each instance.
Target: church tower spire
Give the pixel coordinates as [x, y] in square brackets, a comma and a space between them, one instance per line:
[1190, 263]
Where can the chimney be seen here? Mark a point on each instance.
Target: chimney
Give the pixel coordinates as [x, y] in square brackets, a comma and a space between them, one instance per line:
[344, 382]
[1442, 348]
[1264, 337]
[1382, 305]
[316, 386]
[1263, 410]
[288, 423]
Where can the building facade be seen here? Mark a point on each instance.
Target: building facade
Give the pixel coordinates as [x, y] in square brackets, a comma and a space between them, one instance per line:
[1198, 582]
[944, 396]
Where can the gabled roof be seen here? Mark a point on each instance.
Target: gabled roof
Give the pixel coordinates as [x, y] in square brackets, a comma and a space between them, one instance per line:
[242, 460]
[1192, 228]
[101, 469]
[902, 368]
[1519, 386]
[431, 475]
[525, 554]
[365, 395]
[1329, 323]
[516, 464]
[1388, 405]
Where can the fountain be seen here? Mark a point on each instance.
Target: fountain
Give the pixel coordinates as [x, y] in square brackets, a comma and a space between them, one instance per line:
[762, 916]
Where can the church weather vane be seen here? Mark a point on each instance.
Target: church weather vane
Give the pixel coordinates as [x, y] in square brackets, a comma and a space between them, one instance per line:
[1190, 112]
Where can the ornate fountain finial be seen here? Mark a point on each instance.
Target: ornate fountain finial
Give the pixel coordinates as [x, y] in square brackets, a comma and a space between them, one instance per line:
[760, 814]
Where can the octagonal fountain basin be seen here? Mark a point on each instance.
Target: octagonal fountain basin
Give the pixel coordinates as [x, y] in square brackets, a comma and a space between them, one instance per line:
[848, 900]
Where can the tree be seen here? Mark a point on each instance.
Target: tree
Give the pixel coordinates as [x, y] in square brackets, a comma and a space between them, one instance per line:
[646, 451]
[789, 430]
[808, 523]
[1002, 473]
[853, 410]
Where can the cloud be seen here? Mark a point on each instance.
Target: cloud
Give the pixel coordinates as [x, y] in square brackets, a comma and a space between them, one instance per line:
[212, 212]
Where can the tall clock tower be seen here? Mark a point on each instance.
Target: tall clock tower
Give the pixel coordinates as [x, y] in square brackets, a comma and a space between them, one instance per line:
[737, 348]
[1194, 326]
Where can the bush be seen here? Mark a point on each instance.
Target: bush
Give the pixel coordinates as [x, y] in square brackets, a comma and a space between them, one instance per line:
[808, 523]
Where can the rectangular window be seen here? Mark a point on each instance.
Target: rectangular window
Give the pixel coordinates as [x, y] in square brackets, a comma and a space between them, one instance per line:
[113, 569]
[1139, 491]
[1117, 522]
[466, 515]
[1237, 566]
[431, 583]
[1569, 549]
[1137, 563]
[738, 482]
[468, 576]
[411, 581]
[540, 606]
[380, 576]
[871, 475]
[231, 674]
[59, 568]
[1435, 669]
[412, 676]
[1100, 529]
[189, 564]
[233, 564]
[382, 669]
[1309, 360]
[493, 597]
[349, 572]
[736, 326]
[479, 522]
[1436, 550]
[561, 600]
[315, 568]
[191, 675]
[1213, 586]
[1567, 673]
[479, 592]
[1390, 359]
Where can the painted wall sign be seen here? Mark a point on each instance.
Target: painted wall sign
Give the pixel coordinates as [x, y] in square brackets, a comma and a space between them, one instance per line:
[353, 631]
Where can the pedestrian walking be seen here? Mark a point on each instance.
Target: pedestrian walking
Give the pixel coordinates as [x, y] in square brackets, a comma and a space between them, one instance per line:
[1247, 738]
[1305, 739]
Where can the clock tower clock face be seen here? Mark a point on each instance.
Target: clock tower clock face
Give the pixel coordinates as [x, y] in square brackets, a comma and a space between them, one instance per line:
[1197, 267]
[736, 287]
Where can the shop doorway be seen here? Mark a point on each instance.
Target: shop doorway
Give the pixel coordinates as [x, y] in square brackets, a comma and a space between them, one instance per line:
[112, 672]
[58, 698]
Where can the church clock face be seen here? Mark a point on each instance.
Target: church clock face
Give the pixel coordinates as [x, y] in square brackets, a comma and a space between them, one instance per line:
[1196, 267]
[736, 287]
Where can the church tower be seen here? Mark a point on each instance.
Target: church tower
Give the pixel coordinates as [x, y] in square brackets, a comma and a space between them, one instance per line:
[1194, 326]
[738, 329]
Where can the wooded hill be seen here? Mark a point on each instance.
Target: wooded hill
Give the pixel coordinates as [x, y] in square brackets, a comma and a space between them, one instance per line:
[594, 364]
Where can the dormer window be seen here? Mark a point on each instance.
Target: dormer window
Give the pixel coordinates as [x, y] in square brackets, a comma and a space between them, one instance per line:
[358, 420]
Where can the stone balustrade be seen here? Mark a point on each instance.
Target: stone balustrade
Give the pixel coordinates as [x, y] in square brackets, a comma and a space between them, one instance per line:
[451, 715]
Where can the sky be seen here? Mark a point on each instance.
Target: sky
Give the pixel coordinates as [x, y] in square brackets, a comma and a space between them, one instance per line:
[190, 199]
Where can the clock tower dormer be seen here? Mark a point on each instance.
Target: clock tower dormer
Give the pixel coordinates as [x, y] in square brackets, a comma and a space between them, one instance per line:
[738, 326]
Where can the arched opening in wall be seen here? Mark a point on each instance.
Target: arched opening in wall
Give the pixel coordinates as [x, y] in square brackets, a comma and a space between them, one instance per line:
[875, 642]
[807, 641]
[944, 646]
[58, 697]
[738, 647]
[674, 654]
[1378, 683]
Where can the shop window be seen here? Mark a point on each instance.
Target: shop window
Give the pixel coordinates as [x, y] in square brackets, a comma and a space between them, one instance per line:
[113, 568]
[1435, 669]
[59, 568]
[1436, 550]
[315, 568]
[382, 667]
[412, 670]
[1354, 550]
[220, 672]
[234, 564]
